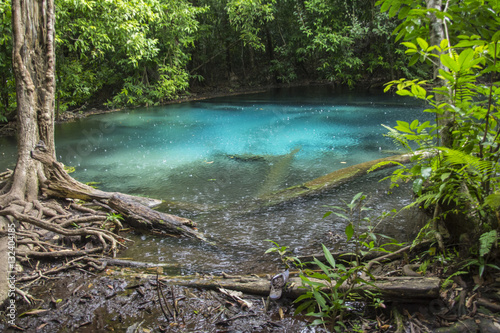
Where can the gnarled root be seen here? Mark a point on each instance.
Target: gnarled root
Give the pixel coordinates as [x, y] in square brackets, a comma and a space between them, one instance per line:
[35, 220]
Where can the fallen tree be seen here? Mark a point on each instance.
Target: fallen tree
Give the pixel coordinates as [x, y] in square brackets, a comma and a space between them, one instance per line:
[389, 288]
[140, 216]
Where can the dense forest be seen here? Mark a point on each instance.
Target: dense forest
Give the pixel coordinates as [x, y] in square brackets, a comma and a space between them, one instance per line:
[129, 53]
[80, 54]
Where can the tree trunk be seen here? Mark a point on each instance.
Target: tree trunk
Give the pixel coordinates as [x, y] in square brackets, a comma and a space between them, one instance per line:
[34, 64]
[436, 34]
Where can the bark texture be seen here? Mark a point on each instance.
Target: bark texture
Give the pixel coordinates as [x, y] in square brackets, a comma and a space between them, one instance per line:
[34, 67]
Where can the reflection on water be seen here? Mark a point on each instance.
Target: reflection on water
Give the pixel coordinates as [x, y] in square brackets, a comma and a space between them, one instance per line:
[229, 150]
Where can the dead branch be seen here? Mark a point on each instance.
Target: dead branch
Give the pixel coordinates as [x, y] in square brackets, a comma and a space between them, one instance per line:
[58, 254]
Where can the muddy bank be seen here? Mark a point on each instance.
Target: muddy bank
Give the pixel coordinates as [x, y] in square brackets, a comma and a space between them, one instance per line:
[82, 302]
[146, 300]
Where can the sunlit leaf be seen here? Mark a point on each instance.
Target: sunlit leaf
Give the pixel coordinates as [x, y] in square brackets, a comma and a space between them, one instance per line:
[449, 62]
[422, 43]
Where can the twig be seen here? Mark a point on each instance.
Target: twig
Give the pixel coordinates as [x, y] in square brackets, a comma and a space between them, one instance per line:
[160, 296]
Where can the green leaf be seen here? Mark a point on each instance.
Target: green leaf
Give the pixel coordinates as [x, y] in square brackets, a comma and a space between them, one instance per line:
[486, 242]
[465, 59]
[417, 185]
[319, 298]
[349, 231]
[403, 126]
[341, 215]
[328, 256]
[423, 44]
[403, 12]
[409, 45]
[444, 44]
[414, 124]
[449, 62]
[493, 200]
[469, 43]
[426, 172]
[496, 37]
[414, 59]
[356, 197]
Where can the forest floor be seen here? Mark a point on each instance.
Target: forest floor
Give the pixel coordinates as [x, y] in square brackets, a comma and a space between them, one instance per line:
[120, 299]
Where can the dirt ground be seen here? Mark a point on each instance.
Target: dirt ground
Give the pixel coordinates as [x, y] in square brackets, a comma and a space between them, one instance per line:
[116, 300]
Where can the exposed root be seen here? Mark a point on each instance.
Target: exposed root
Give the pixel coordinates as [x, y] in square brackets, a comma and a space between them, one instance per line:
[27, 297]
[69, 222]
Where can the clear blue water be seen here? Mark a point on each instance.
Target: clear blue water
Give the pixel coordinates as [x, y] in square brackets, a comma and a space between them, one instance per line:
[229, 150]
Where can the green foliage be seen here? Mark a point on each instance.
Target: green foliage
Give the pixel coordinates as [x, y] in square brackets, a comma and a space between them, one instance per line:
[459, 171]
[248, 17]
[331, 292]
[486, 241]
[349, 40]
[115, 220]
[112, 217]
[283, 252]
[140, 48]
[355, 213]
[7, 88]
[146, 52]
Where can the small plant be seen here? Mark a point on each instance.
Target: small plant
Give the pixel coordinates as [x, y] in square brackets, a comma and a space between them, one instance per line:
[366, 241]
[114, 219]
[487, 241]
[331, 292]
[283, 252]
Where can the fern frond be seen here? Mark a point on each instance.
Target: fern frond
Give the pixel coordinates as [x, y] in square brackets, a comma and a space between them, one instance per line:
[457, 157]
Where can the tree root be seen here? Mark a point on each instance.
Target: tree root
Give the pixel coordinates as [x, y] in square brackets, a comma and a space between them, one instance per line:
[103, 236]
[51, 216]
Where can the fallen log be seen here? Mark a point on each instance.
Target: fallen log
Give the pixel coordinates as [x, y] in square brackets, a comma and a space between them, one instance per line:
[60, 184]
[142, 217]
[135, 210]
[389, 288]
[134, 264]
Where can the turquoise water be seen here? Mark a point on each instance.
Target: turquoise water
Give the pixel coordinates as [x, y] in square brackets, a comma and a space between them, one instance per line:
[223, 149]
[229, 150]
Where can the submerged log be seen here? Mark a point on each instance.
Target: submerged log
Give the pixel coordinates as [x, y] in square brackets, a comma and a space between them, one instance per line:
[330, 181]
[140, 216]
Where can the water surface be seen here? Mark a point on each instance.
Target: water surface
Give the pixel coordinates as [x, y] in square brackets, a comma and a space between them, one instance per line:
[225, 151]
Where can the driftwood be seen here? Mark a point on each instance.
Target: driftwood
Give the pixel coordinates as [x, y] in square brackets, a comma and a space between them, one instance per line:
[140, 216]
[134, 264]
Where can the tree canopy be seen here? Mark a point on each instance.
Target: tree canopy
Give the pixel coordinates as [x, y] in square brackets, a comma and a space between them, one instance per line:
[147, 52]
